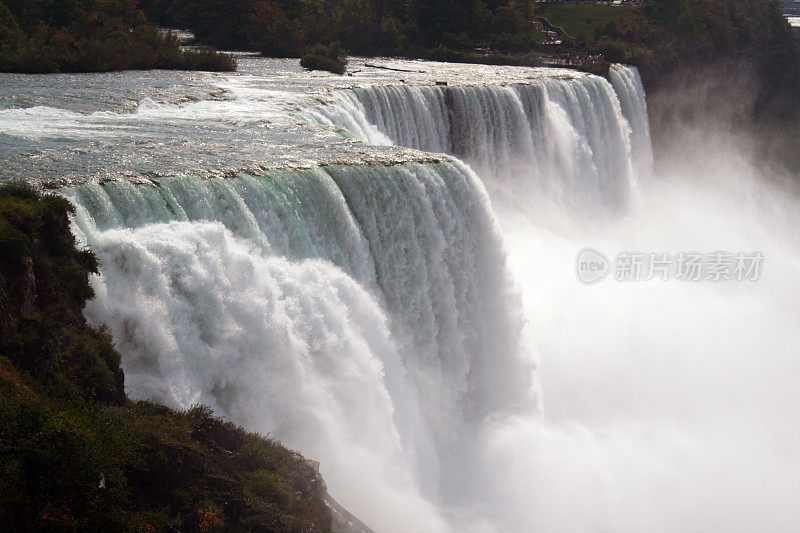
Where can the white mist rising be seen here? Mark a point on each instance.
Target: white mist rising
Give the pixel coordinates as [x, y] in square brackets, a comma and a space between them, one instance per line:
[667, 406]
[386, 321]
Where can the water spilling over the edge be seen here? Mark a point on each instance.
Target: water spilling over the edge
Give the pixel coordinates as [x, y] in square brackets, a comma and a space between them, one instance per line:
[566, 138]
[646, 425]
[323, 306]
[374, 316]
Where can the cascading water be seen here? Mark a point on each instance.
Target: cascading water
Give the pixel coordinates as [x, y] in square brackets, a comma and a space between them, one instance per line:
[361, 314]
[646, 419]
[371, 314]
[628, 85]
[323, 306]
[564, 137]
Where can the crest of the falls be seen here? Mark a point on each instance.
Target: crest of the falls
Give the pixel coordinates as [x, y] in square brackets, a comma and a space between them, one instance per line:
[360, 314]
[575, 139]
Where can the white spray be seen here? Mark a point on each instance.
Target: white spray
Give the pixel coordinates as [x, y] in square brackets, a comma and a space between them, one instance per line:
[364, 316]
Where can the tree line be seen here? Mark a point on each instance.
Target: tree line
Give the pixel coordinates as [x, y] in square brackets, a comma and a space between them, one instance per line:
[286, 28]
[660, 31]
[91, 36]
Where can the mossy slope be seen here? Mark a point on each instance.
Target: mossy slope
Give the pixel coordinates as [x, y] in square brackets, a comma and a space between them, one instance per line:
[75, 453]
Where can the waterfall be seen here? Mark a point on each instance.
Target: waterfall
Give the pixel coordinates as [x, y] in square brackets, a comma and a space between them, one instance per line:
[628, 85]
[320, 259]
[361, 314]
[570, 138]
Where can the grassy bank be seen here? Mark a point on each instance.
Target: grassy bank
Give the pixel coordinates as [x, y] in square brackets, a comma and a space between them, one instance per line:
[75, 453]
[583, 21]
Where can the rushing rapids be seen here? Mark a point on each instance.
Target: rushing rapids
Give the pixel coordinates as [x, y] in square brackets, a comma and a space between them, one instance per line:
[321, 259]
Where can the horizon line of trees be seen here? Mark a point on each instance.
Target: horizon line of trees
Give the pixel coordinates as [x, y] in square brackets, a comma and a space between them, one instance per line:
[288, 28]
[39, 36]
[657, 34]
